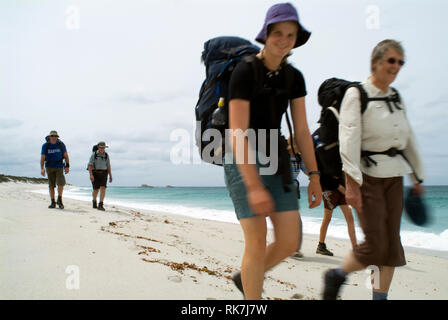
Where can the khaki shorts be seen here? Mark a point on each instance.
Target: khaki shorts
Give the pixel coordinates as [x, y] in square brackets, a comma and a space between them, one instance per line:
[55, 177]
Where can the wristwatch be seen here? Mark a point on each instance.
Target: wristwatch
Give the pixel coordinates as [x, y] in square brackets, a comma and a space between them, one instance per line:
[313, 172]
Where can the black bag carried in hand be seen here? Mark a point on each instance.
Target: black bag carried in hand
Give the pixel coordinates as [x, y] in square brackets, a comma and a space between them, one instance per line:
[416, 209]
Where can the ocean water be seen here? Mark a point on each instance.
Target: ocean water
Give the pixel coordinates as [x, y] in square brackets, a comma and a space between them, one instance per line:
[214, 203]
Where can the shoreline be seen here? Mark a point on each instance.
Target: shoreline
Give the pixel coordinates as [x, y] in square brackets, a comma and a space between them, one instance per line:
[134, 254]
[419, 250]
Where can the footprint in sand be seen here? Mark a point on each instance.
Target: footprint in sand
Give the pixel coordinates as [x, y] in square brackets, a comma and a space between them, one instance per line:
[134, 247]
[297, 296]
[176, 279]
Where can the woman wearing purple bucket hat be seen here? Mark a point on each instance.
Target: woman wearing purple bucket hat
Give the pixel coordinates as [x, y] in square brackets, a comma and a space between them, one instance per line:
[283, 12]
[256, 195]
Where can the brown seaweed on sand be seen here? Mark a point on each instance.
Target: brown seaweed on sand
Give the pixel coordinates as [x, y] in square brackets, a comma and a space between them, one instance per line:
[180, 267]
[129, 235]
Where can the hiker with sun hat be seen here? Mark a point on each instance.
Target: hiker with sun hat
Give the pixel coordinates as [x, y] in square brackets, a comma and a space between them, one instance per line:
[257, 196]
[52, 164]
[99, 168]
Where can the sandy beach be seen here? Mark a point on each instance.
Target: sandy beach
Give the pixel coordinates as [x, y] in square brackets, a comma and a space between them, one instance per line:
[130, 254]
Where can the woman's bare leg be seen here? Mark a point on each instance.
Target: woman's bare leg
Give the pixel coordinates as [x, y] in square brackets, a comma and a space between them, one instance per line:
[286, 231]
[386, 275]
[258, 259]
[350, 224]
[352, 264]
[324, 226]
[252, 266]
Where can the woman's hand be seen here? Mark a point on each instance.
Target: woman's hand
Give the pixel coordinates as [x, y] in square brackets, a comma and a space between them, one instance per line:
[92, 177]
[353, 194]
[418, 189]
[314, 192]
[260, 201]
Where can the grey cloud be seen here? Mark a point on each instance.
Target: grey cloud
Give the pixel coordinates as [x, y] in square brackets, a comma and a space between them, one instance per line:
[159, 134]
[142, 97]
[438, 103]
[438, 155]
[10, 123]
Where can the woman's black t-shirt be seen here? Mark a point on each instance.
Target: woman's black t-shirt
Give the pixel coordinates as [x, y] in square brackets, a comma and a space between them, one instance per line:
[241, 86]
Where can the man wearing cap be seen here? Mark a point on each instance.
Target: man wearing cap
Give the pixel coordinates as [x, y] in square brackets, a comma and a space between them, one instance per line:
[52, 156]
[99, 169]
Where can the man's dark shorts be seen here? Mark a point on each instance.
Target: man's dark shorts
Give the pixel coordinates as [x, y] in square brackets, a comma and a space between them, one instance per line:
[100, 179]
[55, 177]
[333, 198]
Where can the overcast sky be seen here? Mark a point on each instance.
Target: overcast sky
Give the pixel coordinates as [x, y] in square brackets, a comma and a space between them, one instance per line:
[129, 72]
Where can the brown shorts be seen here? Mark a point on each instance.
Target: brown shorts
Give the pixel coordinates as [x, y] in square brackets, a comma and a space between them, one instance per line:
[380, 220]
[100, 179]
[55, 177]
[333, 198]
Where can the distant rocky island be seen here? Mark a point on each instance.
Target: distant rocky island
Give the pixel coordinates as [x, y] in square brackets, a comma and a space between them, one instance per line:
[6, 178]
[148, 186]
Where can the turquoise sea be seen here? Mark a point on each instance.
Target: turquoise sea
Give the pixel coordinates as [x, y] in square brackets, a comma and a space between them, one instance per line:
[213, 203]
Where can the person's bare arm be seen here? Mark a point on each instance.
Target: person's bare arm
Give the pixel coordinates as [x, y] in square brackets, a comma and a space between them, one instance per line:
[350, 133]
[109, 171]
[353, 194]
[92, 178]
[42, 163]
[302, 133]
[305, 143]
[259, 199]
[67, 162]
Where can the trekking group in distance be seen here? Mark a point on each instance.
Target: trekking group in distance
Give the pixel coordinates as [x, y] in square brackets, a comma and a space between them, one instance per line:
[356, 159]
[52, 163]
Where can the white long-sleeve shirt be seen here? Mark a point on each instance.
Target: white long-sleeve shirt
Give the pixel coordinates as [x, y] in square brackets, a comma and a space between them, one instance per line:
[376, 130]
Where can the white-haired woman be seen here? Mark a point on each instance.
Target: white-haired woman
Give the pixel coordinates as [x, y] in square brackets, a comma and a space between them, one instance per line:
[377, 149]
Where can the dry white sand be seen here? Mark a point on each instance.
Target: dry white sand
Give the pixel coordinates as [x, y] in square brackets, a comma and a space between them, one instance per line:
[129, 254]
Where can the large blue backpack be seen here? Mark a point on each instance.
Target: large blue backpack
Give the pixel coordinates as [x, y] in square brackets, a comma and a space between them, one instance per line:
[220, 56]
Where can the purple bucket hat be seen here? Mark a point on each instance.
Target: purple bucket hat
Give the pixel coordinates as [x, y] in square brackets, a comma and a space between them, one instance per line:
[279, 13]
